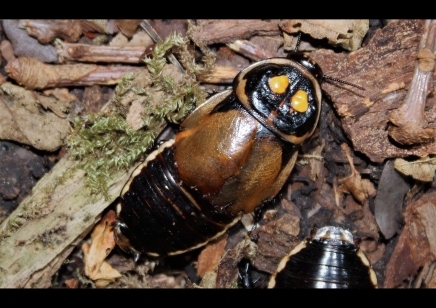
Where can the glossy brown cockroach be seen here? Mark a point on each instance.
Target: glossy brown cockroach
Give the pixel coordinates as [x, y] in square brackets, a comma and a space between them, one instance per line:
[230, 155]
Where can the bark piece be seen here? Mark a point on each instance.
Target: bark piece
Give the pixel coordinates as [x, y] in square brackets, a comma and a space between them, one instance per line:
[25, 45]
[389, 200]
[345, 33]
[416, 245]
[46, 31]
[36, 237]
[229, 30]
[33, 74]
[23, 120]
[128, 26]
[384, 68]
[107, 54]
[409, 125]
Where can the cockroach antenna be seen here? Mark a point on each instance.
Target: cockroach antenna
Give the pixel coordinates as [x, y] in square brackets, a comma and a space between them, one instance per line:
[328, 77]
[343, 81]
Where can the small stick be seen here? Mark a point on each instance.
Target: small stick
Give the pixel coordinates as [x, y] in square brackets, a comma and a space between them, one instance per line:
[106, 54]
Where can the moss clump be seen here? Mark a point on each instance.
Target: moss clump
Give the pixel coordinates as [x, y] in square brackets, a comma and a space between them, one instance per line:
[106, 142]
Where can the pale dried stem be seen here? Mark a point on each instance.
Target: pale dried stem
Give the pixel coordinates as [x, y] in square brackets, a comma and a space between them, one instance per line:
[410, 124]
[106, 54]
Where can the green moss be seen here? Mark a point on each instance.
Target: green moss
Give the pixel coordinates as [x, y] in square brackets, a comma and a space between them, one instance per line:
[105, 142]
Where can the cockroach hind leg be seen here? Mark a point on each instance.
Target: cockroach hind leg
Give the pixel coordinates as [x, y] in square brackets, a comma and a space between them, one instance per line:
[122, 241]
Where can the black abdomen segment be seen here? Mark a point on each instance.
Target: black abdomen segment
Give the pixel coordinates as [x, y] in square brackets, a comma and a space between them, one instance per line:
[321, 265]
[160, 217]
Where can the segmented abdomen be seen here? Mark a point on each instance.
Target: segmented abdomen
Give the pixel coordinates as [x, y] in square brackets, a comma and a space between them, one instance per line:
[321, 265]
[167, 217]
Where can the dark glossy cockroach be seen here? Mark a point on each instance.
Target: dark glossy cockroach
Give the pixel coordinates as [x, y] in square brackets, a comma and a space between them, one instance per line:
[331, 258]
[230, 155]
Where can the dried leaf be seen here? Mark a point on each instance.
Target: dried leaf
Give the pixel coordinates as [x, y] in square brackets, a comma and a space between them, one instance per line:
[102, 237]
[422, 169]
[25, 121]
[210, 256]
[346, 33]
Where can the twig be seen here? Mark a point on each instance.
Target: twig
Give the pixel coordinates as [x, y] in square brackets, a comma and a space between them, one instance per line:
[107, 54]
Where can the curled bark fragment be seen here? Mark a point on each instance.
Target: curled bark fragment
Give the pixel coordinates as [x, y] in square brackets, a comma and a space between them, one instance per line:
[107, 54]
[33, 74]
[409, 124]
[46, 31]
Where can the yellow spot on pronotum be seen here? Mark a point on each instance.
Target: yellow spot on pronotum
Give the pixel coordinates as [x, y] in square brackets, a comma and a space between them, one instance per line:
[299, 101]
[279, 84]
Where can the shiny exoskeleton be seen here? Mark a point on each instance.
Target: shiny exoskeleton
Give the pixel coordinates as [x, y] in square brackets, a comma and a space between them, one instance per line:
[330, 259]
[231, 154]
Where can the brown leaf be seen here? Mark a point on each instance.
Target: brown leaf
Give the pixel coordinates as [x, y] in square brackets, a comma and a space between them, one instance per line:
[102, 243]
[422, 169]
[345, 33]
[25, 121]
[210, 256]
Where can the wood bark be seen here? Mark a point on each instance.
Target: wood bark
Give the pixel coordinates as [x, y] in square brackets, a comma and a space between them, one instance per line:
[38, 236]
